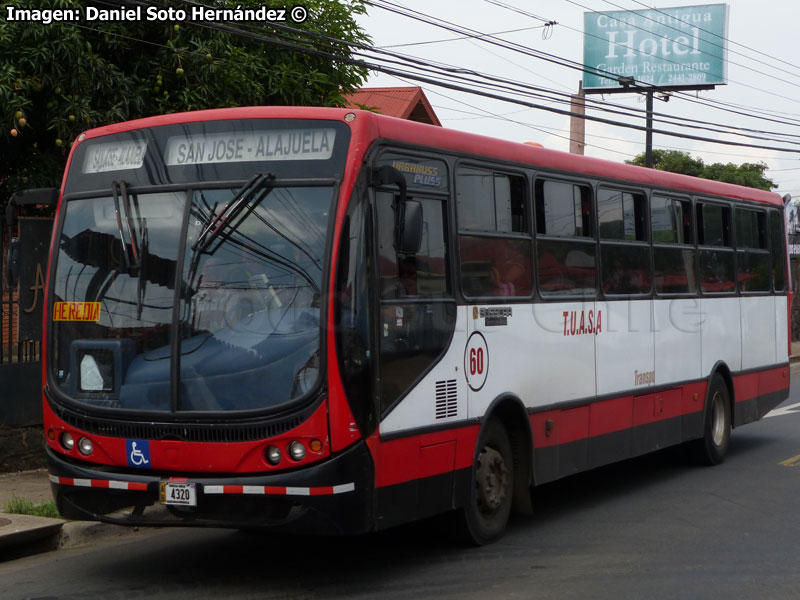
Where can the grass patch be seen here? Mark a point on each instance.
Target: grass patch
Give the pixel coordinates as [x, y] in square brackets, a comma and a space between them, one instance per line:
[23, 506]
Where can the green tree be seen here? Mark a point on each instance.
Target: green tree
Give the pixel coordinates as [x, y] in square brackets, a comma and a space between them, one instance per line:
[674, 161]
[59, 79]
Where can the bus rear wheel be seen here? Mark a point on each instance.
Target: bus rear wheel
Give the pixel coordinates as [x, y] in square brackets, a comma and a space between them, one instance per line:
[487, 506]
[713, 446]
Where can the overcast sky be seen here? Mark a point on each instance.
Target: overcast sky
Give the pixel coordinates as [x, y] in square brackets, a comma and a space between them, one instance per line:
[763, 74]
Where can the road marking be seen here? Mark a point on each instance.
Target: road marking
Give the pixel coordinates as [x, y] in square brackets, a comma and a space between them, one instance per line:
[791, 462]
[784, 410]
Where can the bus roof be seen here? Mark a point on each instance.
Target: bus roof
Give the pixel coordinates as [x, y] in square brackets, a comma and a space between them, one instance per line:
[370, 126]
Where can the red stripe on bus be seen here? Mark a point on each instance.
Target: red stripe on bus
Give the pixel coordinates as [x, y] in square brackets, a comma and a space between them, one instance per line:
[401, 460]
[751, 385]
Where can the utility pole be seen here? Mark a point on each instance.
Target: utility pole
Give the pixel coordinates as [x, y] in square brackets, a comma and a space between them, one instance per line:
[648, 141]
[577, 124]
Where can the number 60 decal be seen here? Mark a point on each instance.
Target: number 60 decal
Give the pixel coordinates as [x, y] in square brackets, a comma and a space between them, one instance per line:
[476, 361]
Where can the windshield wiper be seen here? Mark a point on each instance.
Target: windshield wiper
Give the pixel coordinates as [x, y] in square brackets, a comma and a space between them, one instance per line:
[233, 208]
[126, 233]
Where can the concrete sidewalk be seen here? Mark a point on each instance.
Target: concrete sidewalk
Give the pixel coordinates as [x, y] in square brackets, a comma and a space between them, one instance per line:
[22, 535]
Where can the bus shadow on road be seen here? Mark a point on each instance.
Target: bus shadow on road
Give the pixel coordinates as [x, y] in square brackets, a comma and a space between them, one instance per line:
[603, 500]
[663, 471]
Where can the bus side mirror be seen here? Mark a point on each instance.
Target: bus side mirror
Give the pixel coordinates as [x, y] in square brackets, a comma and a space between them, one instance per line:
[410, 227]
[40, 196]
[387, 175]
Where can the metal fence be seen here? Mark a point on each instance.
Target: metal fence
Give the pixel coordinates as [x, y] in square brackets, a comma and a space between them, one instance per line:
[13, 349]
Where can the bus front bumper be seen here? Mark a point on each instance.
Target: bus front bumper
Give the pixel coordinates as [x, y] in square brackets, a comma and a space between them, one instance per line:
[330, 497]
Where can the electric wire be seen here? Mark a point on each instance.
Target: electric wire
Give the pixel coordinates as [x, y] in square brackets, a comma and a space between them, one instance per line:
[307, 50]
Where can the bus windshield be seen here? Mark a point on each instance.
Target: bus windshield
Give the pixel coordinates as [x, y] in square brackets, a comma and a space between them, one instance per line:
[202, 298]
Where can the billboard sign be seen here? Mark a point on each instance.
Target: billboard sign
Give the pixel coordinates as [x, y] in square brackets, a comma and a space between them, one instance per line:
[666, 47]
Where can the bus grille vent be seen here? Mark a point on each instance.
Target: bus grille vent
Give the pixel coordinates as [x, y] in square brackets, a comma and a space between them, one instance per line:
[446, 399]
[187, 432]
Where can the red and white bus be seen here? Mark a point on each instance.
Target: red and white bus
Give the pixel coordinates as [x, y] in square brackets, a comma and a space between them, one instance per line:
[327, 320]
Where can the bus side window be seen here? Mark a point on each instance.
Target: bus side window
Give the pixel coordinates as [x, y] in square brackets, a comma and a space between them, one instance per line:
[777, 250]
[403, 274]
[414, 324]
[752, 253]
[353, 339]
[716, 251]
[673, 245]
[624, 252]
[494, 234]
[565, 247]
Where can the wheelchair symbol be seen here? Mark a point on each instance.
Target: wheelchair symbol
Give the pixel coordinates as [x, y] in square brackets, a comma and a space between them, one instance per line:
[138, 457]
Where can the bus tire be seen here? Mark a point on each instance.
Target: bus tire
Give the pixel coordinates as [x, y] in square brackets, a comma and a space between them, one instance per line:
[490, 495]
[713, 446]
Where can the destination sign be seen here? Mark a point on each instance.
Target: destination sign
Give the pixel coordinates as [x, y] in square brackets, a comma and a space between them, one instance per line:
[114, 156]
[279, 144]
[76, 311]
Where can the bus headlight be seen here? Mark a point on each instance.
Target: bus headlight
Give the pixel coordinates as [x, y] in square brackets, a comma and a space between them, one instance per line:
[85, 446]
[297, 450]
[67, 441]
[273, 455]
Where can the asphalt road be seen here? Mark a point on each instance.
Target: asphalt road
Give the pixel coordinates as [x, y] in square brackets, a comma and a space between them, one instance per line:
[647, 528]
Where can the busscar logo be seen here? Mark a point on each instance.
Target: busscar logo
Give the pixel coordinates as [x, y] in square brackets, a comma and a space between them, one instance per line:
[427, 175]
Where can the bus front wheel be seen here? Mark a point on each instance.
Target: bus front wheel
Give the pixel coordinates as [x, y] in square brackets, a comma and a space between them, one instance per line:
[487, 506]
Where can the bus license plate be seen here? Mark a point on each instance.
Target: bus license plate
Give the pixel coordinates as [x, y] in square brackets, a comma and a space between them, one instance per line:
[182, 494]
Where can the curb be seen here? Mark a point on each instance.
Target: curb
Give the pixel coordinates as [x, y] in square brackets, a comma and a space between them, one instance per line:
[25, 531]
[79, 533]
[25, 535]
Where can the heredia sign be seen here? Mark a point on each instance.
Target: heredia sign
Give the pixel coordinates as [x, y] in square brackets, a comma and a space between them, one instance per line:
[665, 47]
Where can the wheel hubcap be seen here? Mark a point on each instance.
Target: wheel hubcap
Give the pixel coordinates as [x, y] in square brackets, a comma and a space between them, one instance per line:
[491, 480]
[718, 419]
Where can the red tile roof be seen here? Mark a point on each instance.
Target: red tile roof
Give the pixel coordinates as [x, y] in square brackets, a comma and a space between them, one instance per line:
[402, 102]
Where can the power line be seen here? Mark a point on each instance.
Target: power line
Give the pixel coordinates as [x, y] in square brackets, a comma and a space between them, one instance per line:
[449, 85]
[444, 24]
[679, 123]
[680, 95]
[454, 39]
[516, 122]
[487, 115]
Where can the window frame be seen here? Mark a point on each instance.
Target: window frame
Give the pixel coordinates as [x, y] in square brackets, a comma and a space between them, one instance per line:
[743, 252]
[582, 240]
[526, 236]
[693, 245]
[781, 216]
[728, 249]
[604, 243]
[378, 302]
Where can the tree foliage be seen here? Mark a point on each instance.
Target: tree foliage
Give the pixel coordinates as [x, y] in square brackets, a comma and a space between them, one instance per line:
[674, 161]
[59, 79]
